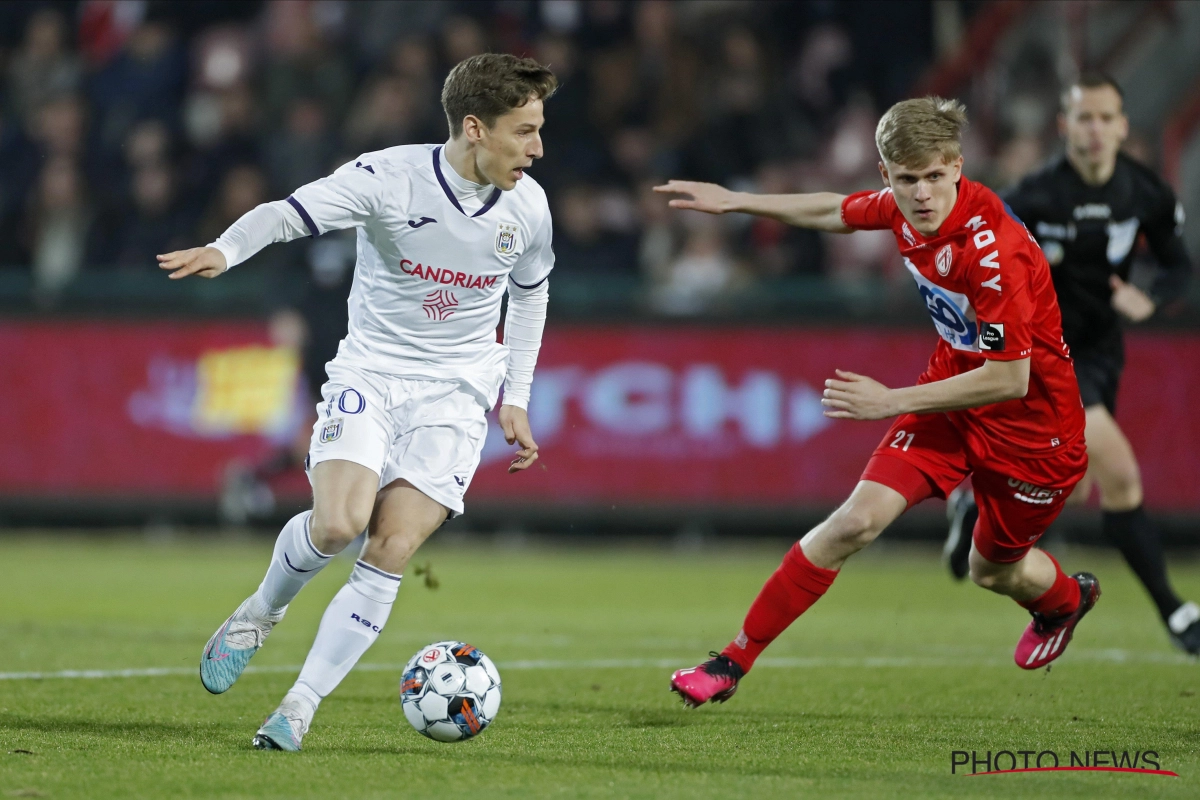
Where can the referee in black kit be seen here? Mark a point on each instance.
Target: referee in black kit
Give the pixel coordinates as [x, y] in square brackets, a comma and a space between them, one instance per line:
[1086, 209]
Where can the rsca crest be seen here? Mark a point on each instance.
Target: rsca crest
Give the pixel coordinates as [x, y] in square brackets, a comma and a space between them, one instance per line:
[506, 238]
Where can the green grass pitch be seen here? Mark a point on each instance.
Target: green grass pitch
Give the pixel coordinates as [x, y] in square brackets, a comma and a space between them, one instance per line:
[866, 696]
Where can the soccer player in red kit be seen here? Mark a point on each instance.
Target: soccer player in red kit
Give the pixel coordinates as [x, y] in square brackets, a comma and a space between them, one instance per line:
[998, 401]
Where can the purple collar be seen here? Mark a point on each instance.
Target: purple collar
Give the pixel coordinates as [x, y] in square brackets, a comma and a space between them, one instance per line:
[437, 170]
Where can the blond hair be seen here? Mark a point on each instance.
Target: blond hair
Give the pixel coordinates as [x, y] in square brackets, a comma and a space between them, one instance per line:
[914, 132]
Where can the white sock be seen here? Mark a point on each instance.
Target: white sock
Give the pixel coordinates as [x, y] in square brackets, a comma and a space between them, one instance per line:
[351, 624]
[295, 562]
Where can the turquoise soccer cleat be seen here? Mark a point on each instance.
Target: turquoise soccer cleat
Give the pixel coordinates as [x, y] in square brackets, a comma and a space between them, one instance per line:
[282, 730]
[230, 649]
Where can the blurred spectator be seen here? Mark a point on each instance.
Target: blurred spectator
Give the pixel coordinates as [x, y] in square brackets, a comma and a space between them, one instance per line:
[815, 76]
[578, 148]
[148, 144]
[741, 131]
[1016, 159]
[105, 27]
[462, 37]
[373, 27]
[149, 224]
[385, 114]
[58, 128]
[851, 160]
[300, 63]
[589, 235]
[300, 153]
[776, 249]
[243, 188]
[42, 69]
[659, 235]
[413, 60]
[145, 81]
[650, 80]
[58, 227]
[223, 130]
[702, 272]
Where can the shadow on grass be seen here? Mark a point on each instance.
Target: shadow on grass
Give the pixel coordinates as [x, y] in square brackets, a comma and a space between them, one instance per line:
[658, 719]
[158, 731]
[481, 755]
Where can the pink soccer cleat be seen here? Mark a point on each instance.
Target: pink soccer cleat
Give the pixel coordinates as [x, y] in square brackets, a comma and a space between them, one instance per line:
[715, 680]
[1046, 639]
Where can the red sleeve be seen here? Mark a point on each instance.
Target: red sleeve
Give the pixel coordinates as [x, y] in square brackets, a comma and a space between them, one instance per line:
[999, 281]
[869, 211]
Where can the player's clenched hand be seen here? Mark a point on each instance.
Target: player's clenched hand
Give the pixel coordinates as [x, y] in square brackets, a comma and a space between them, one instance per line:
[207, 262]
[707, 197]
[857, 397]
[514, 421]
[1129, 301]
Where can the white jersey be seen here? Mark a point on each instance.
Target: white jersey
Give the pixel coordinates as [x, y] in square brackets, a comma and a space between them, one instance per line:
[435, 255]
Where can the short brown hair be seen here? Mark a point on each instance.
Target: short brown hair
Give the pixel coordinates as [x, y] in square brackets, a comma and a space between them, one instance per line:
[1092, 79]
[913, 132]
[490, 85]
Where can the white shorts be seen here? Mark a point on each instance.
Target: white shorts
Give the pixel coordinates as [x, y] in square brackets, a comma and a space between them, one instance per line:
[430, 433]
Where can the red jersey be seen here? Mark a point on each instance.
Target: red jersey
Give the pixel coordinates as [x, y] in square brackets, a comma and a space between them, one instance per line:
[987, 286]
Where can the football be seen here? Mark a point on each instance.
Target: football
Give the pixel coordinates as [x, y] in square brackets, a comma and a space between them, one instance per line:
[450, 691]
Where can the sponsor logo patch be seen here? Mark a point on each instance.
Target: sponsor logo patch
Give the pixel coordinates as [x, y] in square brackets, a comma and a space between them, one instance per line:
[440, 305]
[991, 336]
[1034, 495]
[332, 430]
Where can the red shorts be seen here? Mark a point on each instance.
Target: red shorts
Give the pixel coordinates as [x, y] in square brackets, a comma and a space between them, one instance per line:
[925, 456]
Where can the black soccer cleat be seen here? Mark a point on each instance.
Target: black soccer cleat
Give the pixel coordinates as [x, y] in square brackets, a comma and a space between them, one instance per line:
[962, 514]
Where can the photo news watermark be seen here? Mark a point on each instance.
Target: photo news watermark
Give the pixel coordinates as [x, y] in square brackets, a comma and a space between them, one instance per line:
[1003, 762]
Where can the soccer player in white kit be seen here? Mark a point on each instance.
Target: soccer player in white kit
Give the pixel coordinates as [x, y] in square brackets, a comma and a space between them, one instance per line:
[443, 232]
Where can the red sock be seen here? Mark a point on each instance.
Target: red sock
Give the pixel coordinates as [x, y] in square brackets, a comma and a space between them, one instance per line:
[1060, 599]
[788, 593]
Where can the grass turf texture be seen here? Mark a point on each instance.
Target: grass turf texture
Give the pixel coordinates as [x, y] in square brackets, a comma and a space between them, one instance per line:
[818, 717]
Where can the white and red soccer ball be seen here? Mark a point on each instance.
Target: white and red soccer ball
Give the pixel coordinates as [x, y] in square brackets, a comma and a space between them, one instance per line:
[450, 691]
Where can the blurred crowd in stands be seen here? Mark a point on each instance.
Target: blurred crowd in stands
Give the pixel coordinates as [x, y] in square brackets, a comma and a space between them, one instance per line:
[134, 128]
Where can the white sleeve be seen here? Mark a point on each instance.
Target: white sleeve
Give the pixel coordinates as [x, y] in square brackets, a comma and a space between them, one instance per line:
[345, 199]
[257, 228]
[523, 327]
[528, 296]
[537, 260]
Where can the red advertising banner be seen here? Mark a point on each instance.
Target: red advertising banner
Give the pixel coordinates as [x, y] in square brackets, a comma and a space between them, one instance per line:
[624, 415]
[138, 409]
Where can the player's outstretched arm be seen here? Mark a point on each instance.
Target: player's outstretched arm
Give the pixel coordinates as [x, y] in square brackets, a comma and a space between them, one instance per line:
[821, 211]
[207, 262]
[853, 396]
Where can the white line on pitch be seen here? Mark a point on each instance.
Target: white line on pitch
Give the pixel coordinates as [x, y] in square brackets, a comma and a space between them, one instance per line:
[1109, 656]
